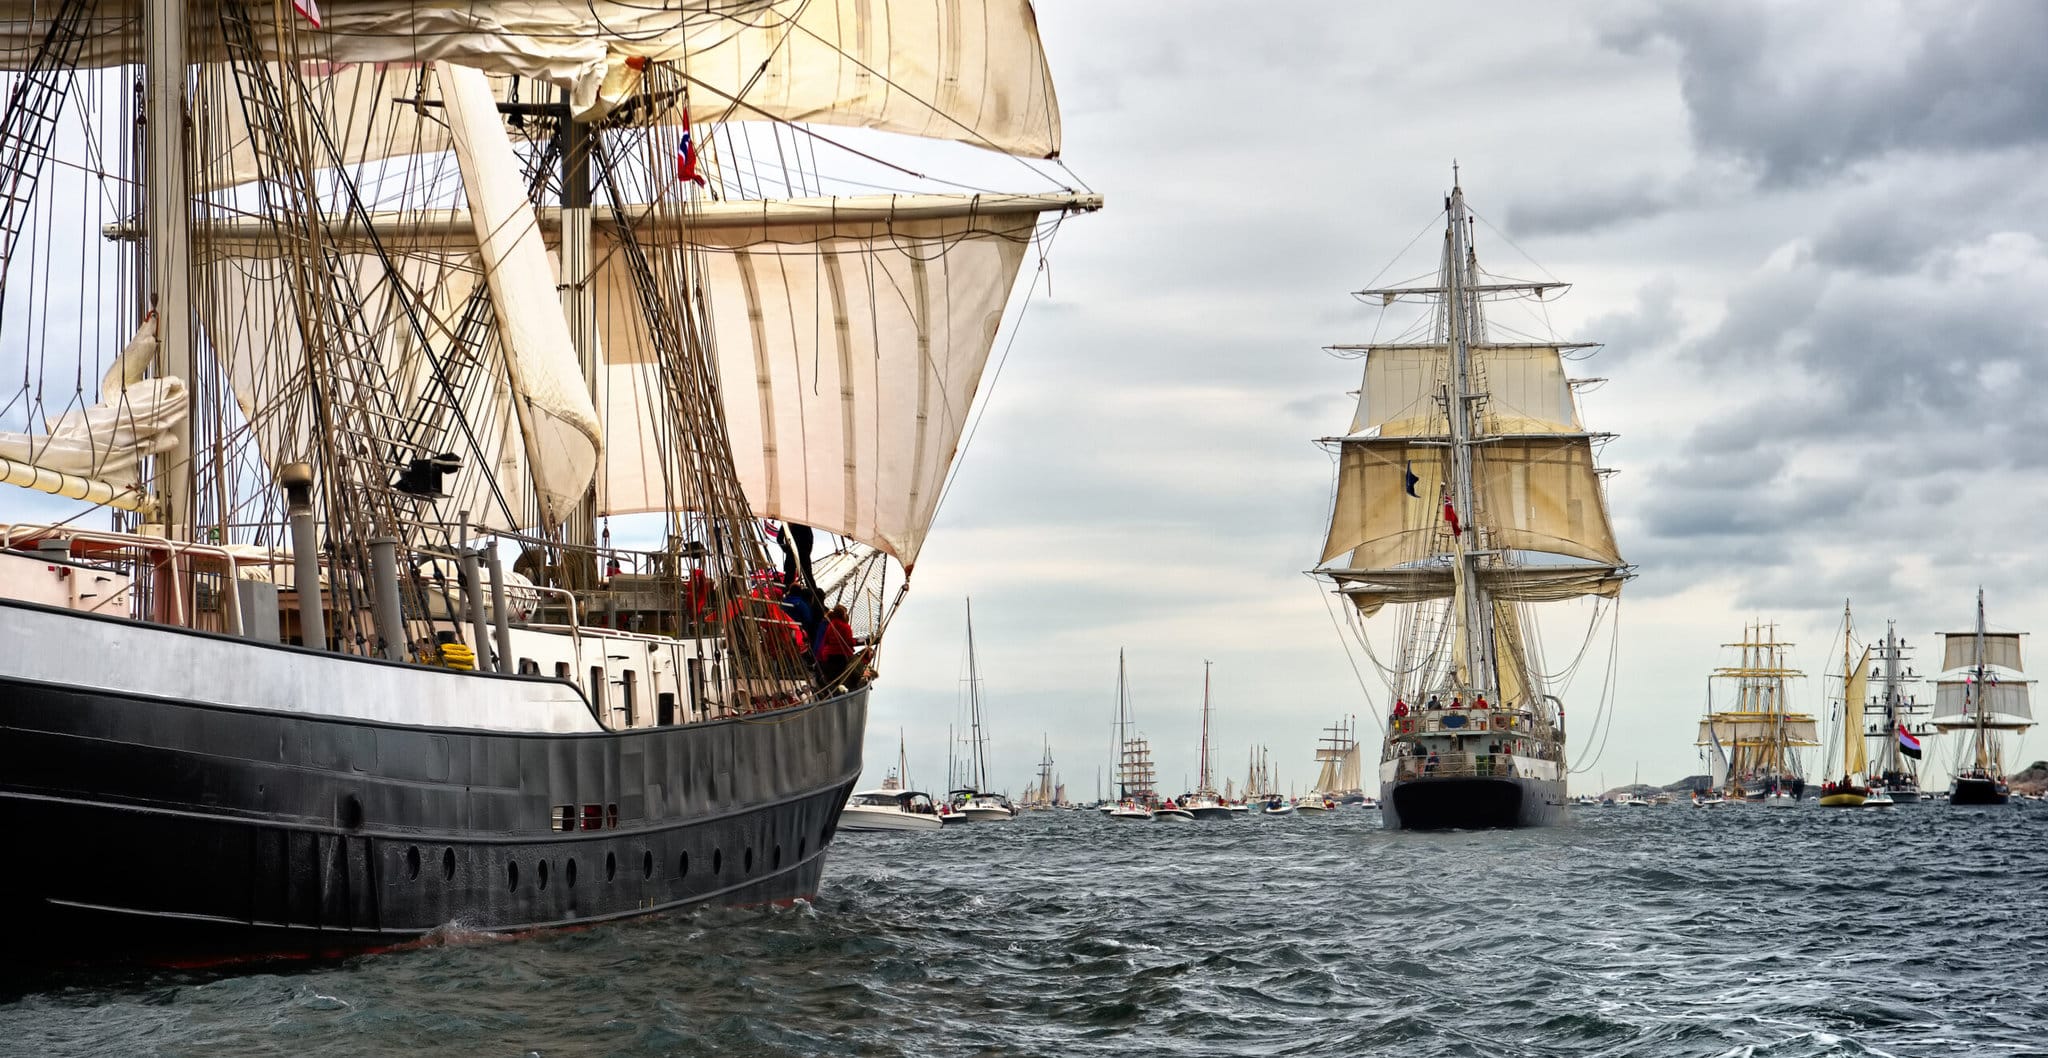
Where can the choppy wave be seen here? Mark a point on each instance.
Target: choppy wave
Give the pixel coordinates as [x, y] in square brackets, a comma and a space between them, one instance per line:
[1673, 931]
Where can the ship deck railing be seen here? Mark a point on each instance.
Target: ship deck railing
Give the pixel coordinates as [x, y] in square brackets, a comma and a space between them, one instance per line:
[1471, 721]
[1457, 765]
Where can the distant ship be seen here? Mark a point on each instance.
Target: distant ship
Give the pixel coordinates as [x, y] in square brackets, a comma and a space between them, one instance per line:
[1894, 724]
[1205, 802]
[972, 802]
[1851, 789]
[1756, 743]
[1468, 491]
[1135, 795]
[1981, 695]
[1341, 767]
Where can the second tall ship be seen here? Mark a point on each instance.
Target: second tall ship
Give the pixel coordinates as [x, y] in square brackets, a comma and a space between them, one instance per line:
[1467, 491]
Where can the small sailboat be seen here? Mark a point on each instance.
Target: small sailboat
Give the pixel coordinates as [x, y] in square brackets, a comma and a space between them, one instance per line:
[1635, 797]
[970, 802]
[1205, 803]
[1848, 792]
[1981, 694]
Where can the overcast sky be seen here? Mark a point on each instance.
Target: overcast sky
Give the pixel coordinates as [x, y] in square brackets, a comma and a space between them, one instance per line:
[1810, 236]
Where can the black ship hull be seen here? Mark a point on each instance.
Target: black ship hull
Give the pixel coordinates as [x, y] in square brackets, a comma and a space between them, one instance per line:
[173, 832]
[1471, 803]
[1973, 791]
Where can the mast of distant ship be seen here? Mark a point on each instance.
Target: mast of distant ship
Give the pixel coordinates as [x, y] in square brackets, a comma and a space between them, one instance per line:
[1204, 785]
[1977, 673]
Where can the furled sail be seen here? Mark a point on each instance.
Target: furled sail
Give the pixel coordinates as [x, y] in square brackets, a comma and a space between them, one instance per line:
[974, 73]
[1372, 589]
[2001, 649]
[556, 417]
[2004, 699]
[95, 453]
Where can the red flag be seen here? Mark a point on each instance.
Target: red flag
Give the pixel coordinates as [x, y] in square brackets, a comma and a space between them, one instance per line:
[1451, 516]
[309, 10]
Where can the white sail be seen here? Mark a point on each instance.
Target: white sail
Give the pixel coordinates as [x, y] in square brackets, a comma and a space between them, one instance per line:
[2006, 699]
[1535, 494]
[2001, 649]
[1740, 729]
[556, 417]
[1525, 386]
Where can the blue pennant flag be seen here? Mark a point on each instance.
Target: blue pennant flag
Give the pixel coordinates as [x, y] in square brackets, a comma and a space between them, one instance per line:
[1409, 467]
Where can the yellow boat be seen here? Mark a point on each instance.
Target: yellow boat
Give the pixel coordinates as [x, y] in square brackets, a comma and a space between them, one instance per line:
[1848, 792]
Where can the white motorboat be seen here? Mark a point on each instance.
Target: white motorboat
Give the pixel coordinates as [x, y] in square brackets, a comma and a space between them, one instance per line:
[1314, 803]
[1277, 807]
[978, 807]
[1878, 797]
[1172, 813]
[890, 810]
[1129, 811]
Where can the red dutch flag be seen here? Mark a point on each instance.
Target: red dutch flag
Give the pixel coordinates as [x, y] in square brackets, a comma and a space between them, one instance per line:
[1908, 745]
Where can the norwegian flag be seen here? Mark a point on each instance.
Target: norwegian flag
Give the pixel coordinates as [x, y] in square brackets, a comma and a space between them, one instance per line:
[309, 10]
[686, 155]
[1451, 516]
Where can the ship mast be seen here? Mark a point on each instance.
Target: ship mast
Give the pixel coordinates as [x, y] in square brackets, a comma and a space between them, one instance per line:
[1204, 785]
[167, 217]
[1460, 317]
[979, 761]
[1979, 742]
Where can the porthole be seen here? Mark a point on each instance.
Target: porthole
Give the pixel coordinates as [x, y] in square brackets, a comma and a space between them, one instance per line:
[511, 876]
[776, 863]
[412, 862]
[717, 861]
[611, 866]
[572, 872]
[448, 864]
[802, 847]
[351, 812]
[647, 865]
[747, 863]
[682, 865]
[541, 874]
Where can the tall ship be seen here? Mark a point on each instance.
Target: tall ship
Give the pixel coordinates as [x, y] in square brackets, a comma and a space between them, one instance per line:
[1135, 778]
[1045, 790]
[378, 319]
[1981, 695]
[1468, 494]
[1896, 723]
[1340, 766]
[1757, 741]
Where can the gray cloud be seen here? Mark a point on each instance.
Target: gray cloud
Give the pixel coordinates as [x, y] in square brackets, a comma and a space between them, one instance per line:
[1803, 91]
